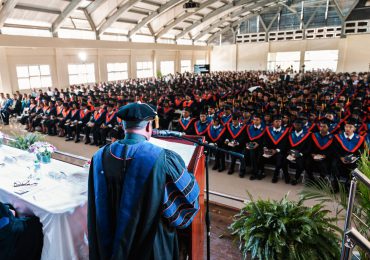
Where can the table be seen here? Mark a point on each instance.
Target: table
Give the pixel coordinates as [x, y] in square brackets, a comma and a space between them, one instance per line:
[61, 204]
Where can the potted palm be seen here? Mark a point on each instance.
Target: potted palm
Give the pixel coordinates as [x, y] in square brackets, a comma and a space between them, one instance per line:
[286, 230]
[322, 192]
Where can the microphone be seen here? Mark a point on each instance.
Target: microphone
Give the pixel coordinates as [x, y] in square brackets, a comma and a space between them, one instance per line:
[157, 132]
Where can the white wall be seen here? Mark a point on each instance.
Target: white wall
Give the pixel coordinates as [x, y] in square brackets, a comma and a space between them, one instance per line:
[354, 53]
[58, 53]
[225, 57]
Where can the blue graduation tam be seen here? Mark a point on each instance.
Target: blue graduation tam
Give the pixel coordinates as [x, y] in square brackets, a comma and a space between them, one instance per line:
[135, 113]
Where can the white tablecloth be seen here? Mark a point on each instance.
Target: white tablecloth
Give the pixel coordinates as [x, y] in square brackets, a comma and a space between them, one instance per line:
[61, 205]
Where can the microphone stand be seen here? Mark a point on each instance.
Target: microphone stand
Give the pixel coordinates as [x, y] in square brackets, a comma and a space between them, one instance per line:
[207, 149]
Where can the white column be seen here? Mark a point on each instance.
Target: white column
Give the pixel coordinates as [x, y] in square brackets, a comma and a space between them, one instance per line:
[5, 85]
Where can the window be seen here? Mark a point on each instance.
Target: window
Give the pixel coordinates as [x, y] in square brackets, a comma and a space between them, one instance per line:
[185, 66]
[314, 60]
[167, 67]
[117, 71]
[144, 69]
[81, 73]
[283, 60]
[33, 76]
[200, 62]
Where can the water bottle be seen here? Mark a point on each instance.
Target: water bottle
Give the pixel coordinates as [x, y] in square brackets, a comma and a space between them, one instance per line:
[36, 169]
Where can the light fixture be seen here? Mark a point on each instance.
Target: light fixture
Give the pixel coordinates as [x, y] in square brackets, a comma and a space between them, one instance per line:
[82, 56]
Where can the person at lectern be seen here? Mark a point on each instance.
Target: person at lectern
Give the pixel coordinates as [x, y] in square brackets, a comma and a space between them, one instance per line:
[139, 194]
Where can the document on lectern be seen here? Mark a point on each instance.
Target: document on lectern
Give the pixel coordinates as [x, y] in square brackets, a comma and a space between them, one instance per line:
[186, 151]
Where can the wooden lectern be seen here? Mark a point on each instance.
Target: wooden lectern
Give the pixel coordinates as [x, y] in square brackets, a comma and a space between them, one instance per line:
[193, 236]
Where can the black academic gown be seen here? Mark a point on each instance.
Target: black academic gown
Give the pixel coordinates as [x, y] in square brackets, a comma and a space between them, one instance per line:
[146, 234]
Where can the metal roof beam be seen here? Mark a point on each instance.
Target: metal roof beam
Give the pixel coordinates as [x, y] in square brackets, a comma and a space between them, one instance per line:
[151, 3]
[6, 10]
[35, 8]
[73, 5]
[238, 22]
[115, 16]
[240, 12]
[305, 26]
[227, 7]
[178, 20]
[153, 15]
[91, 22]
[94, 5]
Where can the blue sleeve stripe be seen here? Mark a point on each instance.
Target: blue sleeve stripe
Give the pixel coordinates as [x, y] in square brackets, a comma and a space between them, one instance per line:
[182, 217]
[179, 178]
[188, 222]
[190, 196]
[179, 201]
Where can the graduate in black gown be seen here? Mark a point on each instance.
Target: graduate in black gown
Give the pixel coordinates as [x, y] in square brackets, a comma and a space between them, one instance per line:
[139, 194]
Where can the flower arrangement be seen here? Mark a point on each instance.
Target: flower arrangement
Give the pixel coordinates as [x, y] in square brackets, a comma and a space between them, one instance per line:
[42, 148]
[87, 165]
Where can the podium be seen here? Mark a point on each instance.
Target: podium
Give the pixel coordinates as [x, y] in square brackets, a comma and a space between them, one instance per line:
[193, 237]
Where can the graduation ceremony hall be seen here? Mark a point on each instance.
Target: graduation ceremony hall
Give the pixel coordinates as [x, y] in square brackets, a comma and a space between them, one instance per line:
[184, 129]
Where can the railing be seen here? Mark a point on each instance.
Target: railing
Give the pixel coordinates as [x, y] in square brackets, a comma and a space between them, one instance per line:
[351, 236]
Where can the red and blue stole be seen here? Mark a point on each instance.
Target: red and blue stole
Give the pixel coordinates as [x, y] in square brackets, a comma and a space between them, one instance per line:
[254, 133]
[334, 127]
[322, 142]
[225, 119]
[296, 140]
[235, 131]
[352, 145]
[276, 137]
[215, 134]
[98, 114]
[73, 112]
[201, 128]
[308, 127]
[185, 123]
[109, 117]
[82, 113]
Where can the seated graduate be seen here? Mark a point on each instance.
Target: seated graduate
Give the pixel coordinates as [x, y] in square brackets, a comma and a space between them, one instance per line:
[235, 141]
[20, 237]
[348, 149]
[186, 122]
[298, 149]
[254, 147]
[216, 136]
[275, 148]
[321, 150]
[139, 194]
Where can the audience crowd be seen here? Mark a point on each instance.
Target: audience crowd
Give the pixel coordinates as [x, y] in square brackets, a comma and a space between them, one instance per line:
[309, 121]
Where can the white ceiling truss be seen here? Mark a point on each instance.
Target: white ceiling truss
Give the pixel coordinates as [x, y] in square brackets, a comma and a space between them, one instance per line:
[159, 19]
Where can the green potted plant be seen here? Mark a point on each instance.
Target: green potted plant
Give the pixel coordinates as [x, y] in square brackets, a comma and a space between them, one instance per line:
[23, 142]
[286, 230]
